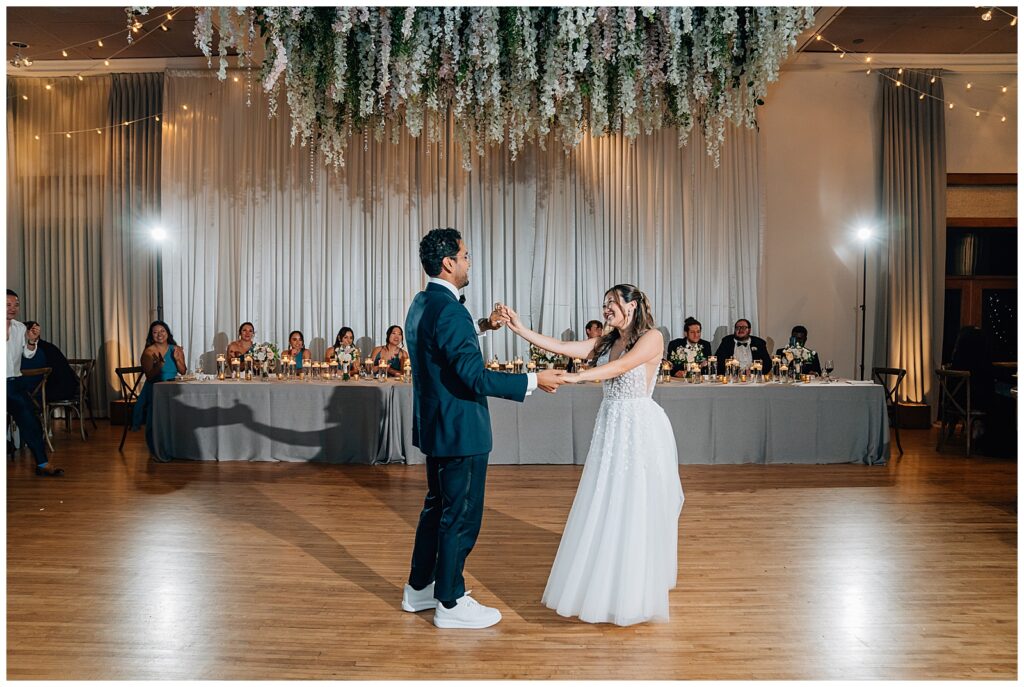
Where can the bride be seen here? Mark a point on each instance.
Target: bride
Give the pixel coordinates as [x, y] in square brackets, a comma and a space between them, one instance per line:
[617, 559]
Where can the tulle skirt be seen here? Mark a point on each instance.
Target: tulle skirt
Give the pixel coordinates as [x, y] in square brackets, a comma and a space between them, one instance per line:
[617, 559]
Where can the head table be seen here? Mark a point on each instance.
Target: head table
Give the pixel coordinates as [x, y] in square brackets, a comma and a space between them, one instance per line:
[361, 421]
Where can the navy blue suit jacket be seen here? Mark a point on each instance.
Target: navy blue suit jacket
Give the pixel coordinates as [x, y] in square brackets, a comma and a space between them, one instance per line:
[450, 382]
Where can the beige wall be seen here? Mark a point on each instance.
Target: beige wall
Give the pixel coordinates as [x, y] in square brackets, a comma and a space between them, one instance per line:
[822, 145]
[821, 161]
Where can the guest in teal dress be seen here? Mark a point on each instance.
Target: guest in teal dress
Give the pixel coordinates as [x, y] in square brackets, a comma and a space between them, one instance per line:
[246, 333]
[297, 349]
[161, 360]
[392, 351]
[343, 343]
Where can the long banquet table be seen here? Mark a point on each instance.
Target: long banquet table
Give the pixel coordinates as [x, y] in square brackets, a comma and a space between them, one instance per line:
[371, 422]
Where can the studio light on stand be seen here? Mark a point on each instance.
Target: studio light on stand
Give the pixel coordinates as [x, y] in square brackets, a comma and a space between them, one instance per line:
[158, 234]
[864, 235]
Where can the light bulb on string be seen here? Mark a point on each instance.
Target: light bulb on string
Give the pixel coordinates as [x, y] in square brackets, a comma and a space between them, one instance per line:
[64, 53]
[933, 79]
[898, 84]
[868, 72]
[1013, 22]
[921, 97]
[969, 84]
[977, 113]
[951, 106]
[98, 131]
[235, 79]
[184, 107]
[842, 55]
[1004, 89]
[867, 59]
[987, 16]
[1003, 119]
[163, 27]
[68, 134]
[81, 78]
[900, 70]
[99, 43]
[817, 37]
[106, 63]
[37, 137]
[158, 118]
[48, 87]
[24, 97]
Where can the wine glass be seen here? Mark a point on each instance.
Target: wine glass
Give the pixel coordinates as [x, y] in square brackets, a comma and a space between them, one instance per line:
[829, 366]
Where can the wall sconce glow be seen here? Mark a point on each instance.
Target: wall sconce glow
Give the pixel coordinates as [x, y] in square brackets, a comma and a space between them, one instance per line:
[864, 234]
[158, 234]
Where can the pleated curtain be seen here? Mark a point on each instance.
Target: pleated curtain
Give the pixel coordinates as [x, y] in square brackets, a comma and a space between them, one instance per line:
[79, 209]
[913, 250]
[262, 232]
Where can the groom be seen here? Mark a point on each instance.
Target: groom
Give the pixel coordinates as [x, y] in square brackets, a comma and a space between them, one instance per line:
[452, 427]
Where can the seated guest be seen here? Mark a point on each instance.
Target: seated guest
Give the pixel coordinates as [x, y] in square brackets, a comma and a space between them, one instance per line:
[391, 351]
[743, 347]
[63, 383]
[798, 350]
[237, 349]
[594, 329]
[297, 348]
[690, 349]
[344, 345]
[161, 360]
[19, 405]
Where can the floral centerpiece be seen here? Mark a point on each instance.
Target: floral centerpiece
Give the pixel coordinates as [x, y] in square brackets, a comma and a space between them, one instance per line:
[799, 354]
[686, 354]
[262, 355]
[543, 358]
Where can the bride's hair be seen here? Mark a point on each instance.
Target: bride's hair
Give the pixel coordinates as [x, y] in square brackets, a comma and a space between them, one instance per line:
[643, 319]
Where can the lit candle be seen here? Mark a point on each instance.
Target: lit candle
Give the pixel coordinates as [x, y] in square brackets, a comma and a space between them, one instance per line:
[531, 366]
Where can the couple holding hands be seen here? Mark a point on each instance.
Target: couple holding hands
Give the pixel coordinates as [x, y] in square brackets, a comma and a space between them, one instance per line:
[616, 561]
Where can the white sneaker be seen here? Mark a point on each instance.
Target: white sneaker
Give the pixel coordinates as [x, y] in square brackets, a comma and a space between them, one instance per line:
[467, 614]
[415, 601]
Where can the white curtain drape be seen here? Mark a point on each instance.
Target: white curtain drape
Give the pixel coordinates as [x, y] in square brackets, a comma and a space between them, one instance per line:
[78, 209]
[913, 263]
[253, 238]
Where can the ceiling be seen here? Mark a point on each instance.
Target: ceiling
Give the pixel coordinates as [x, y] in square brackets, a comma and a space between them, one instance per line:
[916, 30]
[927, 30]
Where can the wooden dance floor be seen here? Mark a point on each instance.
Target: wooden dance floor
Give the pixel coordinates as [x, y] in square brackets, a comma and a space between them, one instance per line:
[129, 569]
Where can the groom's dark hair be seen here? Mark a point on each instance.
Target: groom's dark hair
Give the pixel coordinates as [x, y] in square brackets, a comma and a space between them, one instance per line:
[437, 245]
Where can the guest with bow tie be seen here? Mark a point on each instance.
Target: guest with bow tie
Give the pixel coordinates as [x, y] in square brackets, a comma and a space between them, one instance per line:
[744, 347]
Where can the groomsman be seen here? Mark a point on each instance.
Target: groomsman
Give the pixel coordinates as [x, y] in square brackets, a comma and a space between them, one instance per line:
[594, 329]
[744, 347]
[798, 338]
[691, 339]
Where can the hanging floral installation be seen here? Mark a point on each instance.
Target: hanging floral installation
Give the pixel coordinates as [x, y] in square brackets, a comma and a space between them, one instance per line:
[512, 75]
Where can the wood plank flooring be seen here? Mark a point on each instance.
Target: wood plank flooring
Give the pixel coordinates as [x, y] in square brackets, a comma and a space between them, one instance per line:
[129, 569]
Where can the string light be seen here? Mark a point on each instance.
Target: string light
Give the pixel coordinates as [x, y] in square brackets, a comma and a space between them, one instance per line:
[106, 63]
[81, 78]
[932, 78]
[37, 137]
[235, 79]
[49, 87]
[64, 53]
[184, 107]
[163, 27]
[987, 16]
[1013, 22]
[100, 42]
[68, 134]
[158, 118]
[24, 97]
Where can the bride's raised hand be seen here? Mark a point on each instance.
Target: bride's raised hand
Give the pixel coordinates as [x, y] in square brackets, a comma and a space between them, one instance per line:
[514, 323]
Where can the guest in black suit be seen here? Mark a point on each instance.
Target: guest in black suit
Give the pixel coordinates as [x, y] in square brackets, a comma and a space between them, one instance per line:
[594, 329]
[62, 384]
[691, 340]
[744, 347]
[798, 338]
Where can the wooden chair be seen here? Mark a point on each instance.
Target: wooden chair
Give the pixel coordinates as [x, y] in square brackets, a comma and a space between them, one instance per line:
[86, 383]
[955, 386]
[884, 375]
[37, 393]
[130, 387]
[77, 404]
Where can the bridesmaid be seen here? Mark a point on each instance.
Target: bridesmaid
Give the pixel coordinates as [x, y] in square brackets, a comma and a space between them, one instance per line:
[161, 360]
[237, 349]
[344, 342]
[391, 351]
[297, 348]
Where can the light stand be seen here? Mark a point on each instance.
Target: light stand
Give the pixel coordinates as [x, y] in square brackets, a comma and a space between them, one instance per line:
[864, 234]
[159, 235]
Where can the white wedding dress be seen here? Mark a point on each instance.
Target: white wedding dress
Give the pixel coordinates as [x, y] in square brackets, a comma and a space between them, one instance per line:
[617, 559]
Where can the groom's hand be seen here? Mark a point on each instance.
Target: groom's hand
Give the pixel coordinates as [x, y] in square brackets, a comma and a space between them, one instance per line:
[550, 380]
[496, 319]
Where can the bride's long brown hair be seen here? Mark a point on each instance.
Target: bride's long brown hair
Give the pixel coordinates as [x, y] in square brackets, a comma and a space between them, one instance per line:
[643, 319]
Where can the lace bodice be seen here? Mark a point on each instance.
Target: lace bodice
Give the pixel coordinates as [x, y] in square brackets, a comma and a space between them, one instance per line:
[631, 384]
